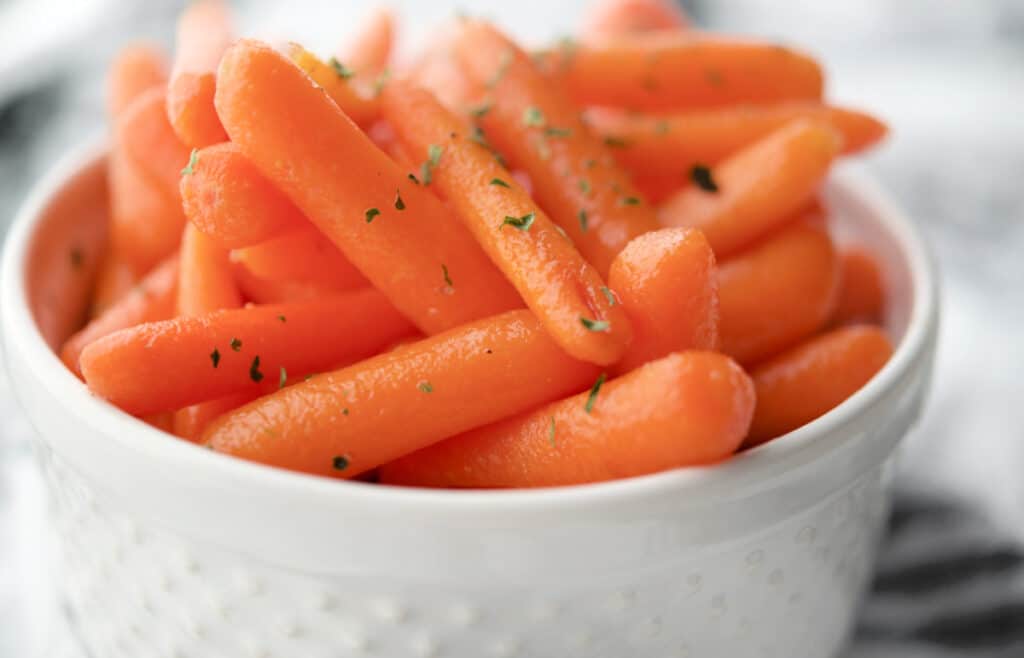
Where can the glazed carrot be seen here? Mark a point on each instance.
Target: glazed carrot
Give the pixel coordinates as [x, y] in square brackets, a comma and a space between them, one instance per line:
[667, 283]
[758, 188]
[259, 290]
[304, 256]
[652, 145]
[614, 18]
[151, 143]
[685, 409]
[437, 70]
[778, 292]
[861, 289]
[368, 53]
[563, 290]
[346, 422]
[399, 235]
[162, 421]
[679, 70]
[136, 68]
[152, 300]
[801, 384]
[116, 278]
[531, 121]
[189, 423]
[192, 359]
[204, 33]
[335, 78]
[206, 280]
[226, 197]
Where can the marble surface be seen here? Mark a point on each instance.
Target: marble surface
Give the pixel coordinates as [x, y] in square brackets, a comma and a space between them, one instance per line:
[950, 79]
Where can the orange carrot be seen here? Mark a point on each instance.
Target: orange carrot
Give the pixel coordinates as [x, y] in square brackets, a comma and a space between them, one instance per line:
[672, 70]
[227, 197]
[758, 188]
[437, 70]
[861, 289]
[346, 422]
[116, 278]
[163, 421]
[136, 68]
[652, 145]
[562, 289]
[259, 290]
[399, 235]
[685, 409]
[335, 78]
[190, 422]
[614, 18]
[797, 386]
[531, 122]
[204, 33]
[667, 283]
[369, 52]
[206, 282]
[777, 293]
[150, 142]
[192, 359]
[304, 256]
[152, 300]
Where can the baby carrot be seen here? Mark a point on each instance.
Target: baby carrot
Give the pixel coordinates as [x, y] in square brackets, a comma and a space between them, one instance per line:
[653, 145]
[227, 197]
[349, 421]
[530, 121]
[335, 78]
[861, 290]
[304, 255]
[189, 423]
[778, 292]
[614, 18]
[368, 53]
[437, 70]
[674, 70]
[116, 278]
[192, 359]
[667, 283]
[562, 289]
[204, 33]
[685, 409]
[801, 384]
[136, 68]
[399, 235]
[153, 299]
[758, 188]
[149, 140]
[259, 290]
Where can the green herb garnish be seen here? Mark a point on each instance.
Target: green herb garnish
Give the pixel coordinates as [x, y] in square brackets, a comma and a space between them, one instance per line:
[434, 153]
[447, 278]
[215, 357]
[701, 175]
[594, 390]
[533, 117]
[522, 223]
[193, 160]
[399, 204]
[551, 432]
[503, 64]
[426, 387]
[343, 71]
[480, 111]
[595, 325]
[77, 258]
[413, 178]
[499, 182]
[371, 213]
[340, 462]
[282, 318]
[583, 220]
[608, 295]
[282, 378]
[585, 186]
[552, 131]
[615, 142]
[236, 344]
[630, 201]
[254, 370]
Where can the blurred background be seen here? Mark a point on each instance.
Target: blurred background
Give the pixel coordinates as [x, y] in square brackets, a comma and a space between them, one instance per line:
[949, 78]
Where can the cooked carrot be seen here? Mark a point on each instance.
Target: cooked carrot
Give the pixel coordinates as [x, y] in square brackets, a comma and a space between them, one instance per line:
[190, 422]
[614, 18]
[562, 289]
[778, 292]
[369, 52]
[861, 288]
[228, 198]
[754, 191]
[152, 300]
[437, 70]
[116, 278]
[303, 256]
[685, 409]
[151, 143]
[652, 145]
[192, 359]
[346, 422]
[531, 121]
[678, 70]
[162, 421]
[135, 69]
[667, 283]
[204, 33]
[801, 384]
[206, 280]
[399, 235]
[259, 290]
[335, 78]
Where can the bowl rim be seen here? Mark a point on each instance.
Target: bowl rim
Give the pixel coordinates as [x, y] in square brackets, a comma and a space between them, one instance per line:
[739, 476]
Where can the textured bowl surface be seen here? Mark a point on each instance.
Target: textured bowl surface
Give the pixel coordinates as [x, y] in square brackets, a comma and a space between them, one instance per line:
[169, 550]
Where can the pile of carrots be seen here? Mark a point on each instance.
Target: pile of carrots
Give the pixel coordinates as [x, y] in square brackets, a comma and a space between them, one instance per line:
[480, 267]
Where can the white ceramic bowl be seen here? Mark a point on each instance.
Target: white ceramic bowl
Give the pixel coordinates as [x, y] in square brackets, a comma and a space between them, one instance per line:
[173, 551]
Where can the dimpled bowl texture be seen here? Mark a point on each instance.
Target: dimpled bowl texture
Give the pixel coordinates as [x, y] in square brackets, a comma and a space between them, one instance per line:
[172, 551]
